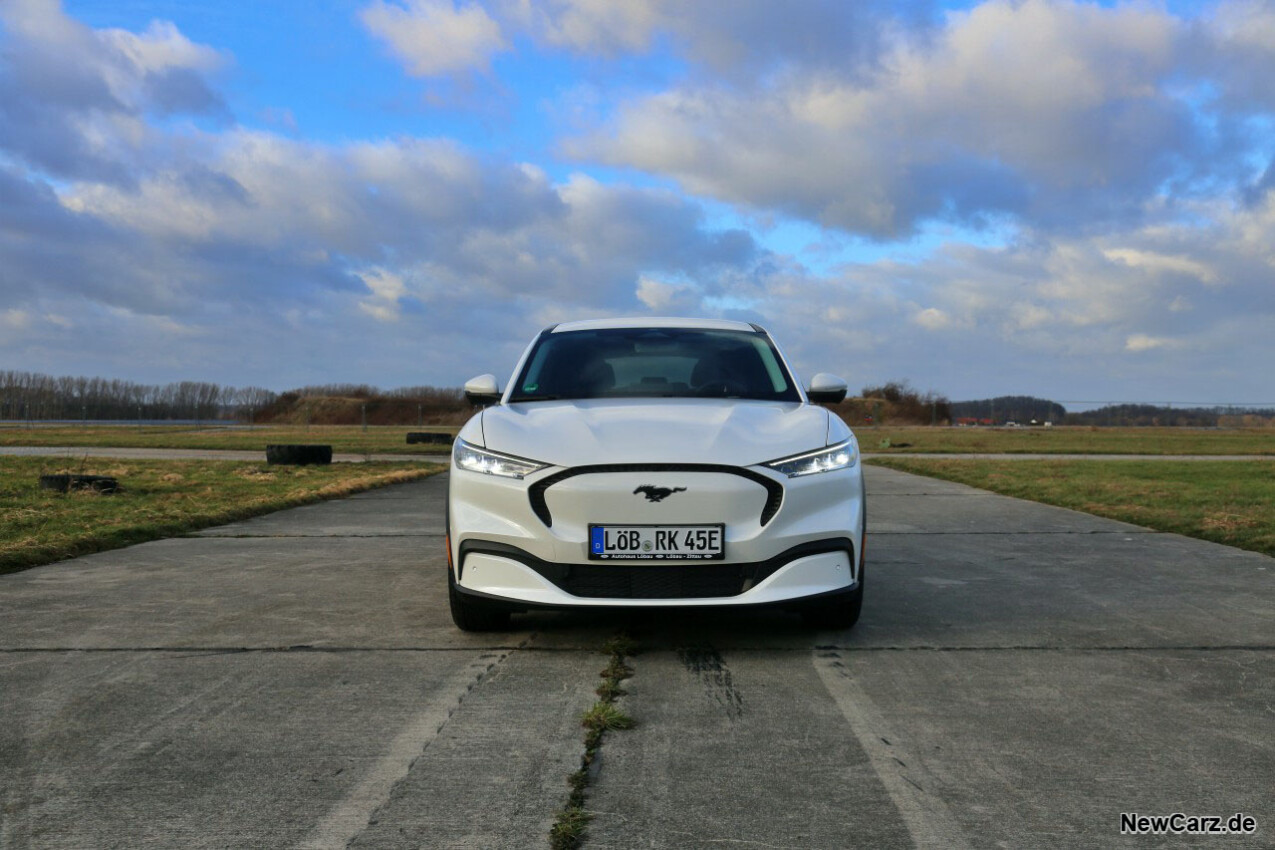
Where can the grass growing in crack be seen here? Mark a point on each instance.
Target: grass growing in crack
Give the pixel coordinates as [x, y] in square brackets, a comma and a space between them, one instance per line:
[568, 830]
[602, 717]
[609, 691]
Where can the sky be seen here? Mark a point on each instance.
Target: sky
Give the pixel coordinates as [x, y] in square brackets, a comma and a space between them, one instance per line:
[1053, 198]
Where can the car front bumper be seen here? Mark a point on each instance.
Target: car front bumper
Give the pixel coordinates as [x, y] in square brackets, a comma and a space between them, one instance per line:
[526, 541]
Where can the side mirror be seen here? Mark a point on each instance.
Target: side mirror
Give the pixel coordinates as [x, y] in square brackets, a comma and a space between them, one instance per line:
[482, 390]
[826, 389]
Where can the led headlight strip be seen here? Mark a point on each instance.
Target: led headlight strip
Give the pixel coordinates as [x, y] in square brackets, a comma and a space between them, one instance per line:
[840, 456]
[475, 459]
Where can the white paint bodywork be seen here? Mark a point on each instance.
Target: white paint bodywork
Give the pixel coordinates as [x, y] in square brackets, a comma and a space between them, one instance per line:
[672, 430]
[734, 433]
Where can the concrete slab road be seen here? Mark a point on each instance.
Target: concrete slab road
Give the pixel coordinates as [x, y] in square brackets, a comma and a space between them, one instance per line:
[1022, 676]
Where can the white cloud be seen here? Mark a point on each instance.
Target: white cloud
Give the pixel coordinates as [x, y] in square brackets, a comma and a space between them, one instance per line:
[1048, 111]
[434, 37]
[748, 38]
[932, 319]
[662, 297]
[76, 102]
[1142, 342]
[601, 26]
[264, 251]
[1027, 316]
[15, 319]
[387, 290]
[1154, 262]
[1250, 22]
[1237, 49]
[161, 47]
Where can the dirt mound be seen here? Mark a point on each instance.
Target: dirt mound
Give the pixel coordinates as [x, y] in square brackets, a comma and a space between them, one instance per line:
[290, 409]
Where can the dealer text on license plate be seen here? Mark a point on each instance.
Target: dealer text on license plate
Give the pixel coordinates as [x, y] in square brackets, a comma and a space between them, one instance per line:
[657, 542]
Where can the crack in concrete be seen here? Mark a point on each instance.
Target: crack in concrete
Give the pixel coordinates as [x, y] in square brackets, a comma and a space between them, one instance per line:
[197, 651]
[571, 821]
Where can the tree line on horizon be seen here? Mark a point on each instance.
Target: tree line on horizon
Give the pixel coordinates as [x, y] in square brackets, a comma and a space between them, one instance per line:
[34, 396]
[1025, 410]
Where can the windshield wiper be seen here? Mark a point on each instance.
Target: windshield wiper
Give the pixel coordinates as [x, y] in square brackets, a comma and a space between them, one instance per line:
[543, 397]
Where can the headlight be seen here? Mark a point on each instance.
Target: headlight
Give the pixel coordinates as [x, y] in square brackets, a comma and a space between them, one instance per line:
[840, 456]
[490, 463]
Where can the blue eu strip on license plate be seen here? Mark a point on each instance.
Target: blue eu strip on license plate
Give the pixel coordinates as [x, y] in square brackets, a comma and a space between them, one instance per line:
[657, 542]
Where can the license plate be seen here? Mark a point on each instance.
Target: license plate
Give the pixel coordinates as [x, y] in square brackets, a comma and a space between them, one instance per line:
[657, 542]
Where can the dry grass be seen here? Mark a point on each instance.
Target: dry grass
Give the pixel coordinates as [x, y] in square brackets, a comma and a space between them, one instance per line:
[343, 438]
[1068, 440]
[160, 499]
[1230, 502]
[903, 439]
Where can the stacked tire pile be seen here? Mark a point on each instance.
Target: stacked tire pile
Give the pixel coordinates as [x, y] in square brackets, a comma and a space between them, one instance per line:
[298, 455]
[428, 437]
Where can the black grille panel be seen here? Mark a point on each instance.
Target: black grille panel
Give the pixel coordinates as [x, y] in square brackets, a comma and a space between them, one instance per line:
[774, 490]
[646, 581]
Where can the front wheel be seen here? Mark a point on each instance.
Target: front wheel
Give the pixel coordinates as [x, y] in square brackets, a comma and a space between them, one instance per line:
[474, 615]
[839, 612]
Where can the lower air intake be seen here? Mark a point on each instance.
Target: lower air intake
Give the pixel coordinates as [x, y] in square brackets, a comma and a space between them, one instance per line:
[648, 581]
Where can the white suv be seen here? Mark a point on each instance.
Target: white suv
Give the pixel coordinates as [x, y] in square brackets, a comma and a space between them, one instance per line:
[654, 463]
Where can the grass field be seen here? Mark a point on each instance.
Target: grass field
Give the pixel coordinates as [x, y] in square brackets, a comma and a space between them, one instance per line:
[160, 499]
[884, 439]
[1068, 440]
[343, 438]
[1231, 502]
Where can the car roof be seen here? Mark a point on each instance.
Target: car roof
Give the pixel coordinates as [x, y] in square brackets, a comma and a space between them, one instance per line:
[657, 322]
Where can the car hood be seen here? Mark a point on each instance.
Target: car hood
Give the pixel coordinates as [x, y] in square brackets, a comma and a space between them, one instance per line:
[593, 431]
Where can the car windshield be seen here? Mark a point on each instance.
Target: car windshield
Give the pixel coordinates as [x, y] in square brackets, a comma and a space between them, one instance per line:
[654, 363]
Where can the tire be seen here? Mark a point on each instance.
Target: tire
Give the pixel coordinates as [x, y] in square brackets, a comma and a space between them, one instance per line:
[469, 615]
[839, 612]
[298, 455]
[64, 483]
[428, 437]
[474, 615]
[60, 483]
[101, 483]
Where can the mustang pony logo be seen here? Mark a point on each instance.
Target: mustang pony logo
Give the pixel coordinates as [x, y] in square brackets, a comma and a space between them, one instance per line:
[657, 494]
